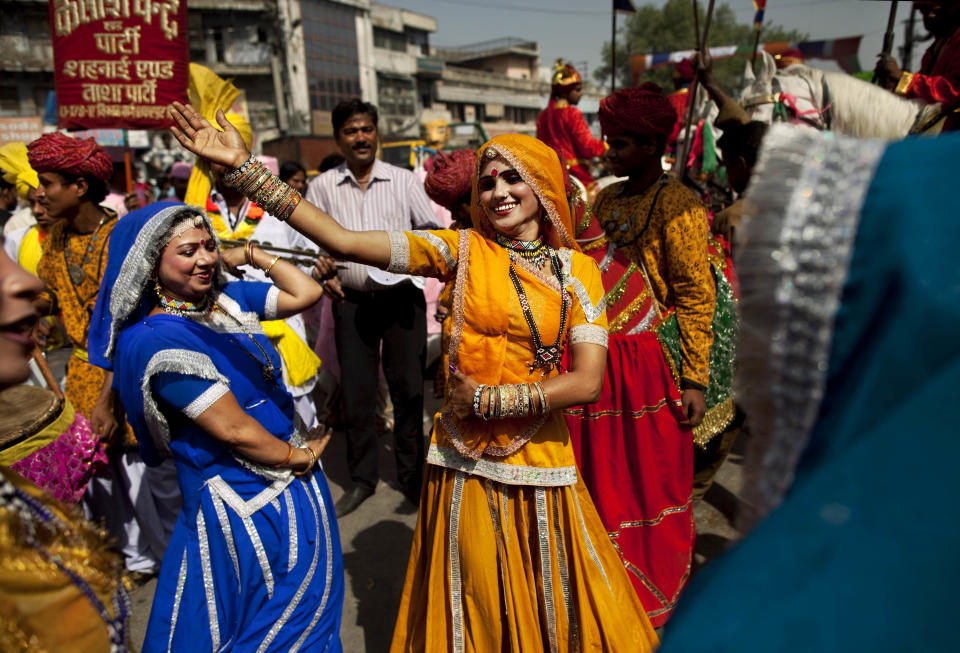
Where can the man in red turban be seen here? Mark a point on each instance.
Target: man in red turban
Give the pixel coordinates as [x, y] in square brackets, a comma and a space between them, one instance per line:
[73, 175]
[562, 127]
[449, 176]
[656, 231]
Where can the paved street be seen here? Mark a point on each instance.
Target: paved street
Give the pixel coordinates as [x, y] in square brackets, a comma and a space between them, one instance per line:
[376, 542]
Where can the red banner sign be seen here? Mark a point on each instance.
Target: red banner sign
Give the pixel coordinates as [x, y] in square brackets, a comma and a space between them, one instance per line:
[118, 63]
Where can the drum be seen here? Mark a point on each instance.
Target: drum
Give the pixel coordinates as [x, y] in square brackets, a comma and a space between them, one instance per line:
[44, 440]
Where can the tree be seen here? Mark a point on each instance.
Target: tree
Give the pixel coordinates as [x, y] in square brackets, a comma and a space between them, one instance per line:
[671, 27]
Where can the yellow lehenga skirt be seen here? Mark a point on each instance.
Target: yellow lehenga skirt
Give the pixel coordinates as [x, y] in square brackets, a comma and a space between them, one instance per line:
[508, 568]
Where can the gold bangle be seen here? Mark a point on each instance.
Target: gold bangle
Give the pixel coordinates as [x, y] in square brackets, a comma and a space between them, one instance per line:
[266, 271]
[289, 456]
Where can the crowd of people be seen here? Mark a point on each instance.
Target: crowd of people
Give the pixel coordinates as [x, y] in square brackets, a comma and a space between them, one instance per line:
[602, 352]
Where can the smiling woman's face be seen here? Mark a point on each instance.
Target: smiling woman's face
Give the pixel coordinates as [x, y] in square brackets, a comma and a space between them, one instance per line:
[508, 202]
[187, 265]
[18, 317]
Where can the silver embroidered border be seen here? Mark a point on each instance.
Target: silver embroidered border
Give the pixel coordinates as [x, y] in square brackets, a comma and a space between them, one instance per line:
[270, 308]
[245, 508]
[590, 310]
[586, 538]
[573, 626]
[328, 573]
[546, 566]
[261, 552]
[224, 520]
[592, 333]
[206, 399]
[292, 528]
[440, 245]
[608, 256]
[139, 263]
[453, 552]
[505, 502]
[502, 472]
[799, 225]
[276, 506]
[399, 253]
[645, 323]
[209, 589]
[177, 596]
[181, 361]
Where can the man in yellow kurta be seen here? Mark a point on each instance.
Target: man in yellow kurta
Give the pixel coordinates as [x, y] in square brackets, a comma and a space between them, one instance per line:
[661, 227]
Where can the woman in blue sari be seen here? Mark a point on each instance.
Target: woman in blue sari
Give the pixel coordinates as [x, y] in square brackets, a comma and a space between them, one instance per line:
[254, 563]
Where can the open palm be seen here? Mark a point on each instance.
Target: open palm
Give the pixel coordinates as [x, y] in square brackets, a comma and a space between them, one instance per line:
[196, 134]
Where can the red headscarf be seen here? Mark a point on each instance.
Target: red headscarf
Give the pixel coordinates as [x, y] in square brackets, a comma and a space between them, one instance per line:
[448, 177]
[57, 152]
[685, 70]
[642, 110]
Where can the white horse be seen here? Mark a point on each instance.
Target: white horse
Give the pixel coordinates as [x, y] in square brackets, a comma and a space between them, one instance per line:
[836, 101]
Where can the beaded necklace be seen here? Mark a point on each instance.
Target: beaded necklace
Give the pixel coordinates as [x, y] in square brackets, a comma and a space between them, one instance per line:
[535, 251]
[181, 307]
[545, 357]
[75, 270]
[201, 311]
[32, 513]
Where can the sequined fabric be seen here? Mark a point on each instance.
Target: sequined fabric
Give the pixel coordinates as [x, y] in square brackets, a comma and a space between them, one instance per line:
[673, 250]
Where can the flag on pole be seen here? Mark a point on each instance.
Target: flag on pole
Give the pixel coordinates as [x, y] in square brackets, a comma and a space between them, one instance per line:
[759, 6]
[625, 6]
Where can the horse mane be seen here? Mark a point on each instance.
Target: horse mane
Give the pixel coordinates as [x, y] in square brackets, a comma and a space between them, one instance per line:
[861, 109]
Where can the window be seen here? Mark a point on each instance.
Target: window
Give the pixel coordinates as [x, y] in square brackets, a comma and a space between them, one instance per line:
[330, 36]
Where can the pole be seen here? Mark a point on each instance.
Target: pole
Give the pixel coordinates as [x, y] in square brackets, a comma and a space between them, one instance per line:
[613, 51]
[756, 46]
[701, 44]
[887, 42]
[908, 40]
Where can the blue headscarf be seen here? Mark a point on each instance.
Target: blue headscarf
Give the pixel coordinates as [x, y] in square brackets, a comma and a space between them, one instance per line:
[125, 296]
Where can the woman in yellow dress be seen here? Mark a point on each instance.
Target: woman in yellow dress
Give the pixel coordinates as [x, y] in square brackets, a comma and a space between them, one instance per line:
[509, 553]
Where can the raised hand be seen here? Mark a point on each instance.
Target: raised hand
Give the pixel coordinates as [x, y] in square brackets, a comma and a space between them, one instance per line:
[196, 134]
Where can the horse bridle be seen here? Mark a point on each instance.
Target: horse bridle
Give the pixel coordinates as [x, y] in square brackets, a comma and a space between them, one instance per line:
[781, 112]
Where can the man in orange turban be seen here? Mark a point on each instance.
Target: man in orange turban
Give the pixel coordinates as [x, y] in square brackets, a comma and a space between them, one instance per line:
[562, 127]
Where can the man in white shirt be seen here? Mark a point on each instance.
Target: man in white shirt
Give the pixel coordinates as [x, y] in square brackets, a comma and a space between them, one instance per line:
[375, 311]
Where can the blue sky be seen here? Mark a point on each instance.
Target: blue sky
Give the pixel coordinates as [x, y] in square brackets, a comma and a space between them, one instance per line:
[577, 29]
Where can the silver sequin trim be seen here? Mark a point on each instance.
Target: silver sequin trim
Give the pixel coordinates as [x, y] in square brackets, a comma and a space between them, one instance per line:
[590, 310]
[440, 245]
[572, 624]
[245, 322]
[502, 472]
[292, 524]
[546, 566]
[206, 399]
[799, 226]
[270, 309]
[453, 550]
[592, 333]
[645, 323]
[254, 536]
[399, 253]
[505, 501]
[586, 538]
[243, 508]
[208, 579]
[224, 520]
[181, 580]
[180, 361]
[139, 263]
[325, 519]
[607, 257]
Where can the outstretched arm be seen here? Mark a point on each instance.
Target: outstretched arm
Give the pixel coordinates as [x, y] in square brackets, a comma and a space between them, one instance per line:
[227, 148]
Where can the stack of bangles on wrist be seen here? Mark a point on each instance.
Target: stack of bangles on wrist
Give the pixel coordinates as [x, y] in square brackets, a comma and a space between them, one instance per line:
[510, 400]
[248, 257]
[264, 188]
[290, 450]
